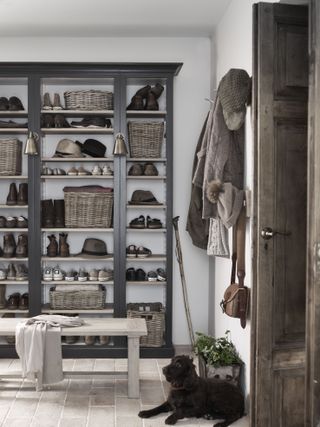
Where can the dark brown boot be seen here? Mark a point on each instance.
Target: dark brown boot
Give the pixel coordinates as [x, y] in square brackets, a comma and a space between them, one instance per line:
[22, 247]
[137, 99]
[12, 197]
[153, 94]
[63, 245]
[23, 194]
[3, 301]
[59, 213]
[52, 248]
[9, 246]
[47, 213]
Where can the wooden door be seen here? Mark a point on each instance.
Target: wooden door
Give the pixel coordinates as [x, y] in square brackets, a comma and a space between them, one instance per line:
[313, 262]
[279, 290]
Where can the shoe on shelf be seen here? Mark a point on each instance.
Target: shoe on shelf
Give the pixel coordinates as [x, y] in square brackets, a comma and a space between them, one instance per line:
[46, 102]
[107, 171]
[56, 102]
[59, 171]
[83, 275]
[22, 222]
[138, 222]
[140, 275]
[24, 301]
[3, 221]
[13, 301]
[9, 246]
[4, 103]
[149, 169]
[64, 250]
[47, 213]
[12, 272]
[93, 274]
[92, 122]
[71, 339]
[71, 275]
[52, 248]
[136, 170]
[137, 99]
[73, 171]
[12, 197]
[22, 199]
[11, 222]
[143, 252]
[22, 246]
[15, 104]
[152, 276]
[153, 223]
[96, 170]
[60, 121]
[46, 171]
[3, 273]
[103, 339]
[82, 171]
[161, 275]
[105, 275]
[130, 274]
[3, 301]
[131, 251]
[58, 274]
[153, 94]
[89, 339]
[22, 272]
[59, 213]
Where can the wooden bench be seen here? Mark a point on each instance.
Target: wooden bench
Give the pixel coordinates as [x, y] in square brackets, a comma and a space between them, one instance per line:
[131, 328]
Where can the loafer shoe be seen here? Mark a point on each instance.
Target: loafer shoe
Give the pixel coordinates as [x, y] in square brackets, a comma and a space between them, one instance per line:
[138, 222]
[130, 274]
[140, 275]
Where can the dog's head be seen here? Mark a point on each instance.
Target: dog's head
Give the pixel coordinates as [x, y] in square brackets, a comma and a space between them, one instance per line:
[181, 372]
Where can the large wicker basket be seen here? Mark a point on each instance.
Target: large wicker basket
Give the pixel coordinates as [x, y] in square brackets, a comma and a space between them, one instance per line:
[154, 314]
[88, 207]
[10, 156]
[88, 100]
[75, 300]
[145, 139]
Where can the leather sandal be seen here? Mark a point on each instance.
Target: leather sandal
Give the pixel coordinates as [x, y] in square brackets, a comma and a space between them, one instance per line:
[153, 223]
[138, 222]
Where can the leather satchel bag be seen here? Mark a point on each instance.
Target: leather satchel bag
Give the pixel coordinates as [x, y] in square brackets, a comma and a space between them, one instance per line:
[235, 301]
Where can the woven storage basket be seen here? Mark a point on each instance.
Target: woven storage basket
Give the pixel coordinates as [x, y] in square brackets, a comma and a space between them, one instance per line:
[88, 207]
[145, 139]
[88, 100]
[154, 314]
[10, 156]
[74, 300]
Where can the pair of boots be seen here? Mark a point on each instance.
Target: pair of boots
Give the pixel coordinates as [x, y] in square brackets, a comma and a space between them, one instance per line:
[52, 213]
[47, 104]
[16, 197]
[52, 248]
[54, 121]
[10, 249]
[148, 93]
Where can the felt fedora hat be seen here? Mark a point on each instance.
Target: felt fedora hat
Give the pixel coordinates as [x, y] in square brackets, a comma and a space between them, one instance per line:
[93, 248]
[68, 148]
[94, 148]
[143, 197]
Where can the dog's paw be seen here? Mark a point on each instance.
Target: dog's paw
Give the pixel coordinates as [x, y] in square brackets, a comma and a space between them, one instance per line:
[144, 414]
[171, 420]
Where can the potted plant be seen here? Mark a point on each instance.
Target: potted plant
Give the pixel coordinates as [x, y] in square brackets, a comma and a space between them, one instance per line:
[218, 358]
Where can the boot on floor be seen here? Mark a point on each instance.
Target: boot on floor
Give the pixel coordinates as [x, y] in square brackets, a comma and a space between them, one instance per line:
[63, 245]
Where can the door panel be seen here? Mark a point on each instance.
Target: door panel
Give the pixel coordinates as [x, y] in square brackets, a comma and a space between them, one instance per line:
[281, 203]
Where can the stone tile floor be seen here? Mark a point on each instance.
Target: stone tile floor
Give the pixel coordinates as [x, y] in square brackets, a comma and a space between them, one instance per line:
[88, 403]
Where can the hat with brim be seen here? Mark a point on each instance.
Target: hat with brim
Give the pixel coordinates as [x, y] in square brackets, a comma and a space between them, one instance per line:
[93, 248]
[143, 197]
[68, 148]
[234, 93]
[94, 148]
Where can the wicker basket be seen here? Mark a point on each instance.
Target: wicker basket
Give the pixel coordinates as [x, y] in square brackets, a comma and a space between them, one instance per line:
[88, 100]
[88, 207]
[154, 314]
[145, 139]
[10, 156]
[75, 300]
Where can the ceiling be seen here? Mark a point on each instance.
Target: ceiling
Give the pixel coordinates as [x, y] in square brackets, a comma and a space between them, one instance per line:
[110, 18]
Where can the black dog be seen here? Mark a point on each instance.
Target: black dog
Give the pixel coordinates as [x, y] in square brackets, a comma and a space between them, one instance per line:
[192, 396]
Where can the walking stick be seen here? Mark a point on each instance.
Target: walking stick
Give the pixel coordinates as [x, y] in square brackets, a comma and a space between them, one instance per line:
[183, 279]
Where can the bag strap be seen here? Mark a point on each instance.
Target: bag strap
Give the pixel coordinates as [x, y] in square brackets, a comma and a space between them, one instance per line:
[241, 248]
[234, 256]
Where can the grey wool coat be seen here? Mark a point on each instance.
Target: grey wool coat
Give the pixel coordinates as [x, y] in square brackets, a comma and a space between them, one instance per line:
[221, 157]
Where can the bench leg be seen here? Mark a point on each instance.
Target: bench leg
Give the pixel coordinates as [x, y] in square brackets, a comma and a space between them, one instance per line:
[39, 385]
[133, 367]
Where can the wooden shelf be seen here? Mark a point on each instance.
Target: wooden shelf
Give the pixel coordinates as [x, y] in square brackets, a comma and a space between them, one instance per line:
[77, 130]
[21, 177]
[73, 159]
[146, 113]
[77, 258]
[14, 282]
[146, 206]
[156, 257]
[75, 282]
[147, 177]
[9, 114]
[6, 310]
[14, 207]
[146, 159]
[146, 283]
[147, 230]
[13, 230]
[80, 113]
[108, 309]
[15, 259]
[78, 230]
[76, 176]
[14, 130]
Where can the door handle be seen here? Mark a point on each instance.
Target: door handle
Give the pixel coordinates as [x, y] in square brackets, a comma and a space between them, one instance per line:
[267, 233]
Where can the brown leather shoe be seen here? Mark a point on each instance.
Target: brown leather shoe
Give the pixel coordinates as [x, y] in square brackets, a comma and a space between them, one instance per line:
[23, 194]
[89, 339]
[150, 169]
[47, 213]
[137, 99]
[3, 221]
[59, 213]
[13, 301]
[22, 246]
[9, 246]
[52, 248]
[153, 94]
[24, 302]
[12, 197]
[63, 245]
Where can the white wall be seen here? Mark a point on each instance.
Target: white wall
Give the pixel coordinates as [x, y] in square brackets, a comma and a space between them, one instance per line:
[191, 87]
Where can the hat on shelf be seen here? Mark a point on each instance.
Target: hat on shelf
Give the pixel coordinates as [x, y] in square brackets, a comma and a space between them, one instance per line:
[143, 197]
[94, 148]
[234, 93]
[93, 248]
[68, 148]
